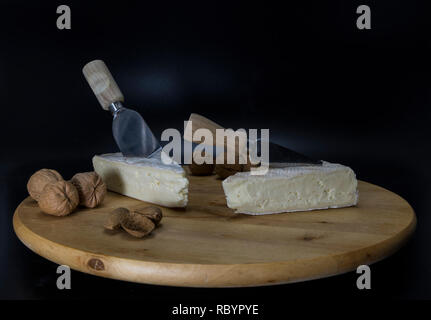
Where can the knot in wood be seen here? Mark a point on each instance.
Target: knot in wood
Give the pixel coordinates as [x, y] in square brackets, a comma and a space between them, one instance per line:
[96, 264]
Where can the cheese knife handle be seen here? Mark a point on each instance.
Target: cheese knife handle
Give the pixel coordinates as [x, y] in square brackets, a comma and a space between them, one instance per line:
[102, 83]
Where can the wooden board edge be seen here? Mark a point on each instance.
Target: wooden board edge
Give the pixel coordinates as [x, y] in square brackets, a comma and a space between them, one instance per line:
[208, 275]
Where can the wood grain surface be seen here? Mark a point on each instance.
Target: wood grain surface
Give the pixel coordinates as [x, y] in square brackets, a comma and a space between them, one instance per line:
[208, 245]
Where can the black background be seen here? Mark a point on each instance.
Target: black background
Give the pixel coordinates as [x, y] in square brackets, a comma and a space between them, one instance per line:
[302, 69]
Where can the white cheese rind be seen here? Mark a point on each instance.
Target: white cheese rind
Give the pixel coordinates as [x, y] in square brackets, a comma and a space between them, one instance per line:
[292, 189]
[145, 179]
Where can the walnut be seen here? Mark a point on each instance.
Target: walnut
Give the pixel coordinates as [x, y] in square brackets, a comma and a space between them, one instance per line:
[225, 170]
[139, 222]
[151, 212]
[91, 188]
[39, 180]
[59, 198]
[204, 169]
[115, 218]
[137, 225]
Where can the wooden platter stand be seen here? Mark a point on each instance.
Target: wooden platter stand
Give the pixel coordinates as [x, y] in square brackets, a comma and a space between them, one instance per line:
[208, 245]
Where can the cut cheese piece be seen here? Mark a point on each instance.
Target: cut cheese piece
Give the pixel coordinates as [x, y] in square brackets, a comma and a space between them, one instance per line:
[147, 179]
[290, 189]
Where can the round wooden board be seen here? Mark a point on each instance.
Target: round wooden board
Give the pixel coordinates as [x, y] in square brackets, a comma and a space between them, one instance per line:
[208, 245]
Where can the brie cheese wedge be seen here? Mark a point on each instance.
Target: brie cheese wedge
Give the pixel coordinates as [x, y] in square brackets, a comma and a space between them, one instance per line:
[147, 179]
[288, 189]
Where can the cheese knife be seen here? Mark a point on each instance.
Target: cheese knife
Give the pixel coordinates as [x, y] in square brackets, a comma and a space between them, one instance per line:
[279, 156]
[131, 133]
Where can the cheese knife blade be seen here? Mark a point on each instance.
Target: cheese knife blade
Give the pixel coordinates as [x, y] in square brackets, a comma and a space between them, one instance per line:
[279, 156]
[131, 133]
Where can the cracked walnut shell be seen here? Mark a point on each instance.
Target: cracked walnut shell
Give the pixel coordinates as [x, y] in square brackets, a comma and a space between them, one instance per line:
[39, 180]
[151, 212]
[137, 224]
[59, 198]
[115, 217]
[91, 188]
